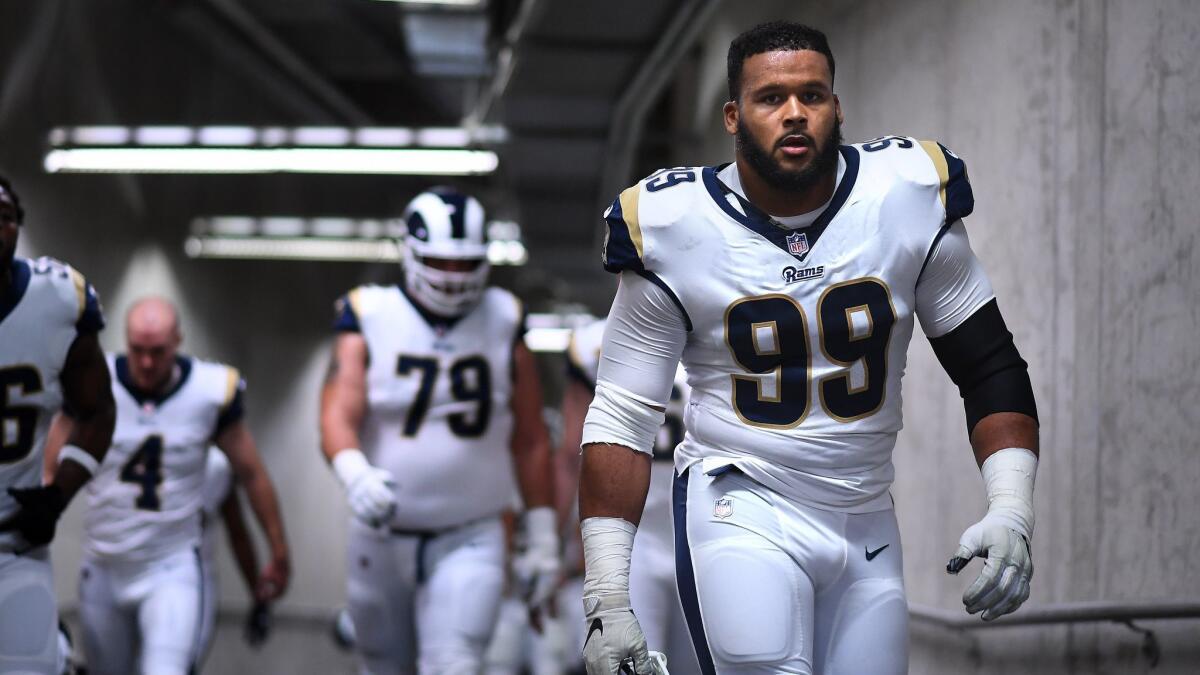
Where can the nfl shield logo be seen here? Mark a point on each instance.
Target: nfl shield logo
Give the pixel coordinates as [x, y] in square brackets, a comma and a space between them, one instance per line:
[723, 508]
[797, 244]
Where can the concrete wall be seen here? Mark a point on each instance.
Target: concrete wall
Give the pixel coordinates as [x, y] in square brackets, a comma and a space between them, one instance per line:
[1077, 121]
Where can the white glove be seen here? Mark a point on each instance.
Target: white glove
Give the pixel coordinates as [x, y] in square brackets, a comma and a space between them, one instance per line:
[615, 643]
[536, 564]
[1002, 536]
[369, 490]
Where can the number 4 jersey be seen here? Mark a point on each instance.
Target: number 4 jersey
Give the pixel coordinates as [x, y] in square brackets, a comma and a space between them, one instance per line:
[47, 305]
[439, 396]
[797, 338]
[145, 501]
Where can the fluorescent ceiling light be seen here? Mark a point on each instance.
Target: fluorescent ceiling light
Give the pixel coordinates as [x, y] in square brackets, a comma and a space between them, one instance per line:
[248, 136]
[455, 3]
[293, 248]
[547, 339]
[409, 161]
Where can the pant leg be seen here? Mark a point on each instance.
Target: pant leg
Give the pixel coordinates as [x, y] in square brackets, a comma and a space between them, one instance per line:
[109, 627]
[381, 574]
[651, 592]
[504, 652]
[169, 614]
[458, 601]
[569, 600]
[862, 618]
[748, 604]
[209, 596]
[28, 614]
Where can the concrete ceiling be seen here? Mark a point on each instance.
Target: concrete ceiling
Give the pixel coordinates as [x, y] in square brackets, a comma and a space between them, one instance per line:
[554, 73]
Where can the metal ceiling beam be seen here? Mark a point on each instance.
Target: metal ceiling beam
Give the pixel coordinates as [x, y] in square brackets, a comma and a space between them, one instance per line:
[506, 60]
[284, 59]
[629, 115]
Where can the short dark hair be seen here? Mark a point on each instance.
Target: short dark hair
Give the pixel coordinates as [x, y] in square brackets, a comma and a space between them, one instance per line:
[16, 201]
[769, 37]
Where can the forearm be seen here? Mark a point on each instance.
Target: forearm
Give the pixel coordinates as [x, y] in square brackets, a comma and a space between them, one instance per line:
[239, 541]
[613, 482]
[339, 431]
[1004, 430]
[535, 472]
[91, 434]
[266, 510]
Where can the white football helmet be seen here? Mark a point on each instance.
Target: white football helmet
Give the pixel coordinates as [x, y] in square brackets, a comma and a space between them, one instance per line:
[444, 224]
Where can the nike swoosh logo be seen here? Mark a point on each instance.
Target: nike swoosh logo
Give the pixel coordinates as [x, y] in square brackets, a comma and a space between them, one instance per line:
[597, 625]
[871, 554]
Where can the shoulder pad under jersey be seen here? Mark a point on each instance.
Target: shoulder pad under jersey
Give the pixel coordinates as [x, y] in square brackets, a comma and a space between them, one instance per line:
[927, 163]
[656, 201]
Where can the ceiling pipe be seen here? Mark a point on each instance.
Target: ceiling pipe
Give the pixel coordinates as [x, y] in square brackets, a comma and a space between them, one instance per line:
[629, 115]
[506, 60]
[282, 56]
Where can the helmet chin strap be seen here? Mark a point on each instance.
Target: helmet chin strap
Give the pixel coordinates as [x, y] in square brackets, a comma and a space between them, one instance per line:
[442, 292]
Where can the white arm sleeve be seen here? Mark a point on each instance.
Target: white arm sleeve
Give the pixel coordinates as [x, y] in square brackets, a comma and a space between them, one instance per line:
[643, 340]
[953, 285]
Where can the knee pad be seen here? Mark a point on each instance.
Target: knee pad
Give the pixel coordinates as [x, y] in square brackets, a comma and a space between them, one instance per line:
[28, 613]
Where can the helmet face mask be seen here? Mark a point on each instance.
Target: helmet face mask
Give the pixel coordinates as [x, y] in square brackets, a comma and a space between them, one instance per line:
[445, 254]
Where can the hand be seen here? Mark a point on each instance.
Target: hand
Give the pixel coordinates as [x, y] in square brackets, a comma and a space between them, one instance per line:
[1003, 584]
[273, 580]
[536, 564]
[369, 490]
[38, 516]
[615, 643]
[258, 624]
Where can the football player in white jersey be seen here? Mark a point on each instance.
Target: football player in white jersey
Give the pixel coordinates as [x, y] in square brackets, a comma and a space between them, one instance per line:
[432, 401]
[49, 358]
[140, 591]
[788, 282]
[220, 502]
[652, 589]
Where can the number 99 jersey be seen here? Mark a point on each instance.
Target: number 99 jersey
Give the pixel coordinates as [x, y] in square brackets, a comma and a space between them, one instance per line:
[439, 392]
[145, 501]
[48, 304]
[797, 338]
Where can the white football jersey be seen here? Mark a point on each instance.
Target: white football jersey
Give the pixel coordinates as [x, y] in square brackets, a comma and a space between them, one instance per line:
[46, 307]
[797, 339]
[145, 501]
[583, 362]
[438, 402]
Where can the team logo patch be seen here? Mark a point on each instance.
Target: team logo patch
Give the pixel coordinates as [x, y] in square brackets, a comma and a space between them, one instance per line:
[797, 243]
[723, 508]
[792, 275]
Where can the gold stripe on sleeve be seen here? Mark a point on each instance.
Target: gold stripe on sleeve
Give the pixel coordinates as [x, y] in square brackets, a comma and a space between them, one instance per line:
[629, 211]
[355, 298]
[935, 153]
[80, 292]
[232, 377]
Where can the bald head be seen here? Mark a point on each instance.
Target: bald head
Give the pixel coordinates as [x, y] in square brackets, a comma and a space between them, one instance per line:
[152, 336]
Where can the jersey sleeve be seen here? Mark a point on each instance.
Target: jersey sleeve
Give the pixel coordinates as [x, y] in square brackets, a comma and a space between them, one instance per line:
[623, 248]
[952, 285]
[345, 312]
[233, 408]
[954, 188]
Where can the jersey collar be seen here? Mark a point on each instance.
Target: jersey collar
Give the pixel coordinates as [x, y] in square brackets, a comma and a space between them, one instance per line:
[121, 365]
[764, 225]
[437, 322]
[16, 290]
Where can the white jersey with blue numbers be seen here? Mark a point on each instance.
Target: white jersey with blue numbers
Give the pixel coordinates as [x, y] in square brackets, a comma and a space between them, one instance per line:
[583, 360]
[798, 338]
[45, 308]
[145, 502]
[439, 393]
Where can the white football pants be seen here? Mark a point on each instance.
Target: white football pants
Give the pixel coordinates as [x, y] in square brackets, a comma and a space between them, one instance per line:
[654, 595]
[28, 614]
[155, 604]
[517, 648]
[771, 586]
[425, 602]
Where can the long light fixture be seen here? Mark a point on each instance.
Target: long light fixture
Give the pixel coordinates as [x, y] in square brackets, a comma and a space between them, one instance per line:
[325, 239]
[437, 151]
[452, 3]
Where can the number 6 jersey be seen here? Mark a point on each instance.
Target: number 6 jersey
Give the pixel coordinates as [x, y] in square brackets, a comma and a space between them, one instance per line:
[439, 392]
[797, 338]
[146, 499]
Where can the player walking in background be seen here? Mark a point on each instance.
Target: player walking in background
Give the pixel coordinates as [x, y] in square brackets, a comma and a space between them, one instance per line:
[140, 592]
[432, 400]
[788, 282]
[50, 357]
[652, 589]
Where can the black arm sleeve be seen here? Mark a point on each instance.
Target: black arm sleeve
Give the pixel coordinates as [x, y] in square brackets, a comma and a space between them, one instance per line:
[981, 359]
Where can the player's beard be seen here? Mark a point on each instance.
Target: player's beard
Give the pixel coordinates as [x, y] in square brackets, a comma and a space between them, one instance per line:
[771, 171]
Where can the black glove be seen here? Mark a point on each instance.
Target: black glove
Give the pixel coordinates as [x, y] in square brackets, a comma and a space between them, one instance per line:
[258, 624]
[40, 508]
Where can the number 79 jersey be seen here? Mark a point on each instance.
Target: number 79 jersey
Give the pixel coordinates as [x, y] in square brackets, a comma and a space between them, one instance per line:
[146, 499]
[439, 396]
[797, 338]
